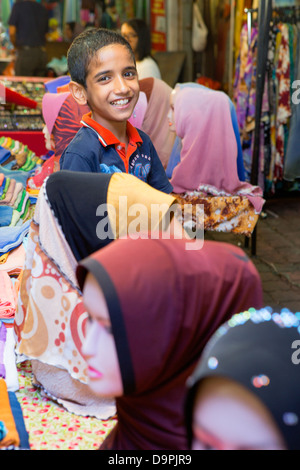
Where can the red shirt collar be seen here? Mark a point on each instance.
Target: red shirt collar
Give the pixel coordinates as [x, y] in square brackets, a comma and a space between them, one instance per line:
[105, 136]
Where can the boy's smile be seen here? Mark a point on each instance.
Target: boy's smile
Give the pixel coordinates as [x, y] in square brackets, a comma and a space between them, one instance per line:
[112, 87]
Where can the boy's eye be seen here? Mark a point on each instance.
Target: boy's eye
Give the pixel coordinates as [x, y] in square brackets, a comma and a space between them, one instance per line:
[103, 78]
[130, 73]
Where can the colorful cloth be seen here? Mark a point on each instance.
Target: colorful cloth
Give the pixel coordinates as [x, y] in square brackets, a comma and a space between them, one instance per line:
[284, 111]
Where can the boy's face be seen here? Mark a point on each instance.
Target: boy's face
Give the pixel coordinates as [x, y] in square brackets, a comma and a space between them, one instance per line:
[112, 87]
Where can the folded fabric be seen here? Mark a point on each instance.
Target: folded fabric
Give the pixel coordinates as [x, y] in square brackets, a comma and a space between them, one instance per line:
[22, 203]
[15, 261]
[9, 192]
[6, 213]
[2, 346]
[11, 237]
[4, 187]
[18, 189]
[6, 416]
[7, 299]
[18, 175]
[4, 154]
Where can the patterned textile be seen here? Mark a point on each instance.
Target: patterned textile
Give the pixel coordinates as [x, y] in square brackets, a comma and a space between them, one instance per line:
[245, 79]
[221, 213]
[50, 327]
[55, 339]
[284, 99]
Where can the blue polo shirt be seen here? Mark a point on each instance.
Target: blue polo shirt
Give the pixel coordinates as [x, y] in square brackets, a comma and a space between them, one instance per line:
[95, 149]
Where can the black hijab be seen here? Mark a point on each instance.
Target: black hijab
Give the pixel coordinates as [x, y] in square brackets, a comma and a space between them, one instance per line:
[258, 349]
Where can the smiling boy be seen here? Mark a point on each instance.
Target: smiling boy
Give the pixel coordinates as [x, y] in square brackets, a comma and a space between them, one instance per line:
[103, 75]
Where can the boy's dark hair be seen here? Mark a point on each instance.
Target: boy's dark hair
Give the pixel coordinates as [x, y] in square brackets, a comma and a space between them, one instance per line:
[84, 48]
[144, 37]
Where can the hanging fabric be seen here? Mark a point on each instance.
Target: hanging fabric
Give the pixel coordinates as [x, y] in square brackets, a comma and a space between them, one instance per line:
[278, 158]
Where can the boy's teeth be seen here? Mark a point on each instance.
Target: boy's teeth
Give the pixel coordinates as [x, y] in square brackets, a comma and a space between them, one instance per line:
[120, 102]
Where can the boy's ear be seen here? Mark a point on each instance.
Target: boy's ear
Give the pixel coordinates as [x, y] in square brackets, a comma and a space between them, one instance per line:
[78, 92]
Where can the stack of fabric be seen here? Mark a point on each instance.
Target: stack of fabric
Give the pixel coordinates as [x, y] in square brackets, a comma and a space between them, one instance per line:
[17, 164]
[13, 433]
[14, 202]
[16, 155]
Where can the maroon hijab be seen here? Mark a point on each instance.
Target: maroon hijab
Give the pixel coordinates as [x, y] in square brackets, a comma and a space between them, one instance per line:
[165, 302]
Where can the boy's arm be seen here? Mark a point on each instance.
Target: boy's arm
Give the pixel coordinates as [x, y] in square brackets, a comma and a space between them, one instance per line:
[157, 177]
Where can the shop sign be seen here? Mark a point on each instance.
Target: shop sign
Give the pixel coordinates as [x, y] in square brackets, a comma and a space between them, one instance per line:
[158, 25]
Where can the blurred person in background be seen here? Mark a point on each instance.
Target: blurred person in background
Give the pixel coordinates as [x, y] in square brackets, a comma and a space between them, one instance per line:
[137, 33]
[28, 27]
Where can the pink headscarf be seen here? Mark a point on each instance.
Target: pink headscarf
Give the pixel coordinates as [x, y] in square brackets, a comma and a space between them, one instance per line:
[137, 117]
[156, 120]
[208, 159]
[51, 104]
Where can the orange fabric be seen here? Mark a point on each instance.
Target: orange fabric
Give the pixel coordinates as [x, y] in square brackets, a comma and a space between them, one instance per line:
[63, 88]
[6, 416]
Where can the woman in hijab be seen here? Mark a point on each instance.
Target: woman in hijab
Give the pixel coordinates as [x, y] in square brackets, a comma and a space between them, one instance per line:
[244, 392]
[152, 307]
[76, 214]
[155, 122]
[201, 118]
[94, 209]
